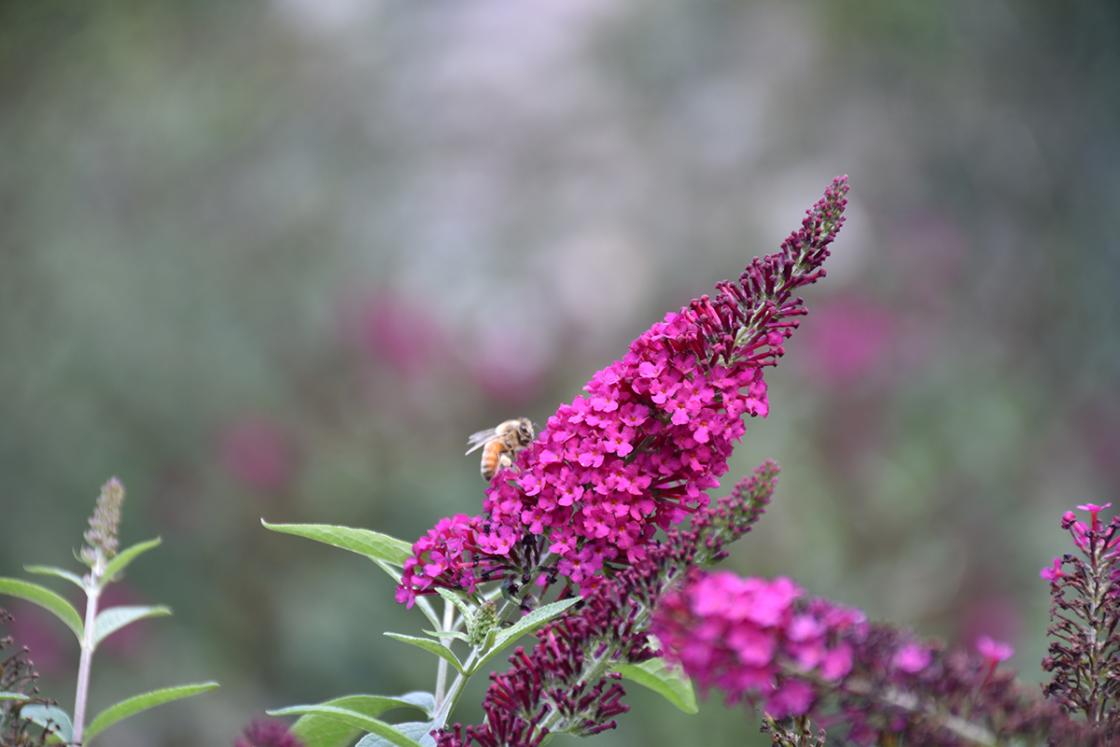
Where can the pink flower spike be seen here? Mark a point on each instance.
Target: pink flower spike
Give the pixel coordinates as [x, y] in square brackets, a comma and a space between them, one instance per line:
[994, 651]
[1052, 572]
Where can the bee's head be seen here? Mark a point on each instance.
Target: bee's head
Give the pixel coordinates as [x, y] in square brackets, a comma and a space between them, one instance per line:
[525, 431]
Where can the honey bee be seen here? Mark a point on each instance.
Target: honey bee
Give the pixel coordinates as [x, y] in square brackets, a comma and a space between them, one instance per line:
[500, 444]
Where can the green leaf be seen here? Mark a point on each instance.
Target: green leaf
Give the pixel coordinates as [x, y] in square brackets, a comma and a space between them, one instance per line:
[326, 731]
[373, 545]
[527, 624]
[50, 570]
[352, 718]
[12, 696]
[457, 600]
[140, 703]
[51, 718]
[418, 730]
[116, 566]
[667, 681]
[45, 598]
[432, 647]
[447, 634]
[113, 619]
[390, 569]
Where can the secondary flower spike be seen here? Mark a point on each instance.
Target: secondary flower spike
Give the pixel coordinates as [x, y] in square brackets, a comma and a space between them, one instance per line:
[651, 434]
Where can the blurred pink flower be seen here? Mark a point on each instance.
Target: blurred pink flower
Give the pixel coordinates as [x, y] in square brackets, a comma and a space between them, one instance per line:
[994, 651]
[986, 613]
[259, 454]
[42, 634]
[848, 340]
[911, 658]
[511, 370]
[396, 331]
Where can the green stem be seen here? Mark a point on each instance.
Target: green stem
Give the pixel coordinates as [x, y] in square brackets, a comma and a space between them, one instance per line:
[441, 667]
[85, 663]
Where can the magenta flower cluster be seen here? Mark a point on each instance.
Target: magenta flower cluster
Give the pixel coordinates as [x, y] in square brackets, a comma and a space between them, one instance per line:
[1084, 626]
[563, 684]
[448, 555]
[745, 636]
[637, 452]
[796, 657]
[267, 733]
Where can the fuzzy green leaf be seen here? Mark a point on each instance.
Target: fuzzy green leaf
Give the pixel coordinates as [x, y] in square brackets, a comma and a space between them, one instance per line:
[418, 730]
[50, 570]
[12, 696]
[667, 681]
[432, 647]
[111, 620]
[373, 545]
[45, 598]
[115, 567]
[457, 600]
[325, 731]
[352, 718]
[52, 718]
[447, 634]
[139, 703]
[535, 619]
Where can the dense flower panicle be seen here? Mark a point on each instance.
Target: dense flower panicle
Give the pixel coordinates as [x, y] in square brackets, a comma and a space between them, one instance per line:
[264, 733]
[562, 685]
[17, 675]
[797, 658]
[1084, 629]
[101, 537]
[637, 452]
[740, 635]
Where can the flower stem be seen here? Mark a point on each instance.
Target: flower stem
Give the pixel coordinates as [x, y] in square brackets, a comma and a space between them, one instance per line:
[441, 667]
[85, 663]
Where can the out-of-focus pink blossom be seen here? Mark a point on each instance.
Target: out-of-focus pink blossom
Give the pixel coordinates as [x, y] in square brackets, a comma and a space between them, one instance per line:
[509, 370]
[849, 341]
[396, 331]
[266, 733]
[259, 454]
[43, 634]
[911, 658]
[992, 650]
[745, 635]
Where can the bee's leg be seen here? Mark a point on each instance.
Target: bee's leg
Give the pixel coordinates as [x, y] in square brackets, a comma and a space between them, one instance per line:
[504, 460]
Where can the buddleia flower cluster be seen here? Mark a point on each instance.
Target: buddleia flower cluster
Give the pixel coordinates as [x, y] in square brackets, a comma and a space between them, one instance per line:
[638, 451]
[566, 683]
[267, 733]
[1084, 655]
[799, 658]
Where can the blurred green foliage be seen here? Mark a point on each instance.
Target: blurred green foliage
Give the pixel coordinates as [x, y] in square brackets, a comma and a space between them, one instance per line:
[278, 259]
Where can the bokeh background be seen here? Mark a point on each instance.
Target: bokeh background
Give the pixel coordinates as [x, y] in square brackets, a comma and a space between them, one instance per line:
[277, 259]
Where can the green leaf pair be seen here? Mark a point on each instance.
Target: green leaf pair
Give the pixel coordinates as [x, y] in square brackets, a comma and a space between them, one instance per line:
[337, 722]
[53, 719]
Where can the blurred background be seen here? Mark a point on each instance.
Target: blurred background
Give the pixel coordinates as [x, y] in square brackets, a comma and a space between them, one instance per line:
[277, 259]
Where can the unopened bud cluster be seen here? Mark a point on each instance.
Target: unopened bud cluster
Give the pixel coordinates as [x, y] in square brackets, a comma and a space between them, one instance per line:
[101, 537]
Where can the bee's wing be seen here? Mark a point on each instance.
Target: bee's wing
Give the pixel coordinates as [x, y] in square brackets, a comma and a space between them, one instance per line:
[477, 440]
